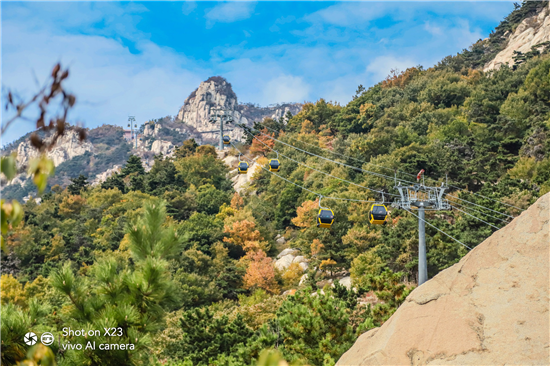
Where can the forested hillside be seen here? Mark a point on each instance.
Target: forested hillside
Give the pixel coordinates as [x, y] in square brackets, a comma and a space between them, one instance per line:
[185, 265]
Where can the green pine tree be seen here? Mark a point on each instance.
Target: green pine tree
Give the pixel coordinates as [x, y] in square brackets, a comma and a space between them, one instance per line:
[133, 165]
[78, 184]
[131, 298]
[315, 328]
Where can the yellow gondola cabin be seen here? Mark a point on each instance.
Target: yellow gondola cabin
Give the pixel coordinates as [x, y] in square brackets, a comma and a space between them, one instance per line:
[274, 165]
[226, 140]
[243, 167]
[378, 214]
[325, 218]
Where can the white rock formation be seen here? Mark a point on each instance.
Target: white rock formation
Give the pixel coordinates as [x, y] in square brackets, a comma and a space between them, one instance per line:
[287, 257]
[530, 32]
[286, 252]
[240, 181]
[67, 147]
[346, 282]
[284, 262]
[102, 177]
[231, 161]
[162, 147]
[216, 93]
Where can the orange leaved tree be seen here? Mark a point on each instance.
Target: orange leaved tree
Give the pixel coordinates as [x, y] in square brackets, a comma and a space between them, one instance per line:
[260, 273]
[258, 147]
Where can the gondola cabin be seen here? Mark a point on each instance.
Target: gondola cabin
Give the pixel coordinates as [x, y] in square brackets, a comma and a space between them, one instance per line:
[378, 214]
[325, 218]
[274, 165]
[243, 167]
[226, 140]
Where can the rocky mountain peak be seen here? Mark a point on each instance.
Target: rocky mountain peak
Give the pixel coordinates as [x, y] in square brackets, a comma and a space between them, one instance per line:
[216, 93]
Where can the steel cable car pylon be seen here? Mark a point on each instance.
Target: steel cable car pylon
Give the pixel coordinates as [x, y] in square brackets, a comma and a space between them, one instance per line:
[421, 197]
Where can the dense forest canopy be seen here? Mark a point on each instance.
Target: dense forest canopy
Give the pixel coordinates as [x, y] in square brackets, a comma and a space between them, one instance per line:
[185, 265]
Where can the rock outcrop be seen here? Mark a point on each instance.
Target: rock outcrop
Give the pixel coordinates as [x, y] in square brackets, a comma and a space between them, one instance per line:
[530, 32]
[162, 147]
[491, 308]
[289, 256]
[102, 177]
[216, 93]
[241, 181]
[67, 147]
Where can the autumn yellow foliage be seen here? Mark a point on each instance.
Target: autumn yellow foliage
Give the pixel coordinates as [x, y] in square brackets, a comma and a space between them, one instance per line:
[244, 234]
[306, 213]
[12, 291]
[260, 273]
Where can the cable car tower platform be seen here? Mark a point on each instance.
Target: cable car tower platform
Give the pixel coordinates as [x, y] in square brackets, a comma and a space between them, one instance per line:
[220, 115]
[423, 198]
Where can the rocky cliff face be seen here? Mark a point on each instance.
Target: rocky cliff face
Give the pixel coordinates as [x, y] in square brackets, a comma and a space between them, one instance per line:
[491, 308]
[530, 32]
[216, 93]
[67, 147]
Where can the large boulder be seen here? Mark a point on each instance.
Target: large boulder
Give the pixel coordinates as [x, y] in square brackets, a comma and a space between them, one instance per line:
[289, 256]
[284, 262]
[287, 252]
[346, 282]
[491, 308]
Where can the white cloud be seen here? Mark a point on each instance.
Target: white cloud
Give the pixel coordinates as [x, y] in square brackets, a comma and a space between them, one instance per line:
[433, 29]
[381, 66]
[188, 7]
[286, 88]
[229, 12]
[109, 81]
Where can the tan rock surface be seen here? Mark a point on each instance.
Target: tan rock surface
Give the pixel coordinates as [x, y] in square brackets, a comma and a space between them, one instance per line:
[491, 308]
[530, 32]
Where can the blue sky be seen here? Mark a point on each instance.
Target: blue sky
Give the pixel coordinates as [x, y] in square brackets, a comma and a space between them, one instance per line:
[145, 58]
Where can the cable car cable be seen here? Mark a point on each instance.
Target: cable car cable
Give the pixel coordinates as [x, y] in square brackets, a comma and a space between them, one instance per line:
[383, 167]
[333, 161]
[330, 175]
[487, 208]
[320, 195]
[477, 218]
[304, 188]
[359, 169]
[481, 212]
[441, 231]
[342, 155]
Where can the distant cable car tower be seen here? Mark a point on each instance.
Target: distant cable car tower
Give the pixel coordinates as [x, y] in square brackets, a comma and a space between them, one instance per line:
[221, 116]
[133, 129]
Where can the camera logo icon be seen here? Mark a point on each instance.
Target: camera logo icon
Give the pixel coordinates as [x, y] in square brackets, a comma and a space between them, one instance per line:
[30, 339]
[47, 338]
